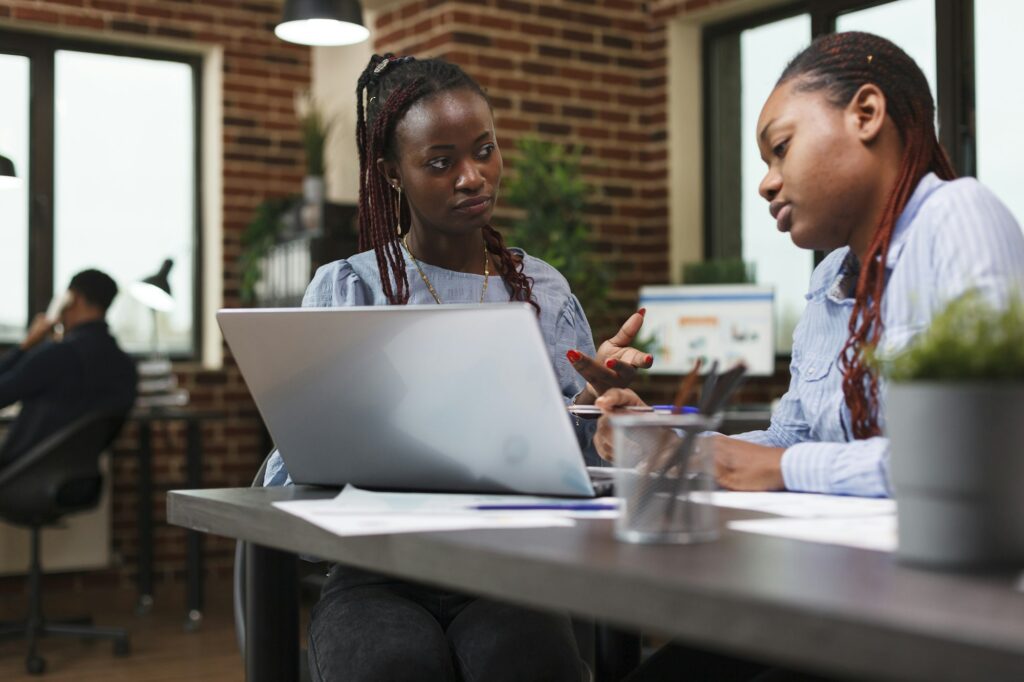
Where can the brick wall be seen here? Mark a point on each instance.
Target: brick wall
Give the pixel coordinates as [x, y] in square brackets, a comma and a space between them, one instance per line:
[262, 157]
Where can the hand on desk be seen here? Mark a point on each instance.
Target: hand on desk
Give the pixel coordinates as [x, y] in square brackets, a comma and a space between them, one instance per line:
[740, 465]
[615, 364]
[609, 402]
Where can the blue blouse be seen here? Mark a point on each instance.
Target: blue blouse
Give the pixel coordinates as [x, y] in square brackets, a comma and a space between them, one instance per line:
[951, 237]
[563, 324]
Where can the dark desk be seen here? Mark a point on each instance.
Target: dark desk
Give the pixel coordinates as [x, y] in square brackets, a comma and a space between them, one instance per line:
[193, 475]
[827, 608]
[194, 479]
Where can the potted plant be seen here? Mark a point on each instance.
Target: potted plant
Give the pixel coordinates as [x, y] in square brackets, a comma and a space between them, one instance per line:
[315, 130]
[954, 414]
[549, 187]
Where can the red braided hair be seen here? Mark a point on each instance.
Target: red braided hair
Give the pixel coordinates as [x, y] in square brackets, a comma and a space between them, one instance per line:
[391, 85]
[840, 64]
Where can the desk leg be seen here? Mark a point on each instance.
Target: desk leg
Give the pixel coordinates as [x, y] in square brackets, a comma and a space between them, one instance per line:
[271, 615]
[194, 540]
[616, 653]
[145, 520]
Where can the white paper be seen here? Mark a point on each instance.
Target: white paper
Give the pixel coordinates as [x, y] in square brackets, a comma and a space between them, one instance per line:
[326, 515]
[864, 532]
[803, 505]
[352, 500]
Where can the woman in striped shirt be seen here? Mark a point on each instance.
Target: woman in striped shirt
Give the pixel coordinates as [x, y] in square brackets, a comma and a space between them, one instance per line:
[855, 169]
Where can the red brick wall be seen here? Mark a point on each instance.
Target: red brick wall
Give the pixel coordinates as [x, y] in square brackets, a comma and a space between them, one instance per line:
[262, 157]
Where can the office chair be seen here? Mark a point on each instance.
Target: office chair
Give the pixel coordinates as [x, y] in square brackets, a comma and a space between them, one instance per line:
[57, 477]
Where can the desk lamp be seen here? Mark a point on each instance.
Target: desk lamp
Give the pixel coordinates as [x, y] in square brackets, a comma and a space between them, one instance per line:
[154, 292]
[8, 178]
[322, 22]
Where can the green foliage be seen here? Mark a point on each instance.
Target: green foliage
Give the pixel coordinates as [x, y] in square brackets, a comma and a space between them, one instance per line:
[260, 234]
[719, 271]
[550, 188]
[969, 340]
[315, 129]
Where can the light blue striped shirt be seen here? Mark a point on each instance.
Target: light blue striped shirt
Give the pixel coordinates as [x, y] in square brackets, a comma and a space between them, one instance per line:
[563, 324]
[952, 236]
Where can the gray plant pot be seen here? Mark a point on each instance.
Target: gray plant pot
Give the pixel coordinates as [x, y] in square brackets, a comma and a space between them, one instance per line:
[958, 472]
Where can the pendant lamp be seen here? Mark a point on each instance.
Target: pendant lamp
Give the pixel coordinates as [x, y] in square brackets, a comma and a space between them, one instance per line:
[322, 22]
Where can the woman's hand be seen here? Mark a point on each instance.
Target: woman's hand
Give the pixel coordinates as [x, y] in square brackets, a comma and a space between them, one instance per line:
[740, 465]
[616, 362]
[613, 399]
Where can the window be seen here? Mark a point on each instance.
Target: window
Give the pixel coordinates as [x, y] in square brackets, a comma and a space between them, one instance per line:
[14, 84]
[999, 99]
[111, 159]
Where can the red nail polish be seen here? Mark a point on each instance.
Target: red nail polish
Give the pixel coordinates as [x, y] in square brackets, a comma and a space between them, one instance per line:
[611, 363]
[650, 359]
[642, 311]
[573, 356]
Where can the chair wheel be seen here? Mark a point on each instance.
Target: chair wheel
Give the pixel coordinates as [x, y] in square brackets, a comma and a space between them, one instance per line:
[35, 665]
[122, 647]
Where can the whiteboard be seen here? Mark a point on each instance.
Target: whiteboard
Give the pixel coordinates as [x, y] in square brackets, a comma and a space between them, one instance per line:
[724, 322]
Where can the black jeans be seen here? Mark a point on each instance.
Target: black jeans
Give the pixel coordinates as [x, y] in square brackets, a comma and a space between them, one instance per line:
[369, 627]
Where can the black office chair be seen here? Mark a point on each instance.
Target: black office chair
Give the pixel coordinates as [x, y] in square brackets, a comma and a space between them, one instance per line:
[57, 477]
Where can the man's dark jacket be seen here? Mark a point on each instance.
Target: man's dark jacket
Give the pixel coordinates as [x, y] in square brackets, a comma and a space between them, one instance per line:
[60, 381]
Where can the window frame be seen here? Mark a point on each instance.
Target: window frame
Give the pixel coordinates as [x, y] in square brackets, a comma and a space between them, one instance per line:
[41, 50]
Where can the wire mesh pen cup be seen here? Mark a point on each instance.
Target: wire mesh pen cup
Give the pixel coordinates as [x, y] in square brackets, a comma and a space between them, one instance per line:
[664, 479]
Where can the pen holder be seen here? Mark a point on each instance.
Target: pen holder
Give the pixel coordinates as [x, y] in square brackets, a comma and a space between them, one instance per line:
[663, 479]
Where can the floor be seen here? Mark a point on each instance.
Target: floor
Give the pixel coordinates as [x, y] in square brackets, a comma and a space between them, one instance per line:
[161, 648]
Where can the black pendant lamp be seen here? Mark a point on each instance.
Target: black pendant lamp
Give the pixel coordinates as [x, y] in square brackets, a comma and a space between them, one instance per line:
[322, 22]
[8, 178]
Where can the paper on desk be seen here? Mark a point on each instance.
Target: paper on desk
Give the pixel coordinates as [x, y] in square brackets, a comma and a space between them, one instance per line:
[326, 515]
[354, 500]
[804, 505]
[865, 532]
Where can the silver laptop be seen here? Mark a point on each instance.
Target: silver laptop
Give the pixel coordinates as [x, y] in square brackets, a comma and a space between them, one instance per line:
[435, 398]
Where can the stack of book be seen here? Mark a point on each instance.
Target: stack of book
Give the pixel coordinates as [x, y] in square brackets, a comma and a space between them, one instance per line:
[158, 386]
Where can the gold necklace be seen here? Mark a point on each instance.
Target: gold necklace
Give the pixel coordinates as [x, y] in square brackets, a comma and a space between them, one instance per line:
[430, 287]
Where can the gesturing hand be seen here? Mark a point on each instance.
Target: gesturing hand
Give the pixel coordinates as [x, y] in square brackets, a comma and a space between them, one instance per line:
[616, 362]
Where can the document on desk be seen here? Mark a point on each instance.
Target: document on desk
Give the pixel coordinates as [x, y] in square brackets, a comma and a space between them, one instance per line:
[804, 505]
[362, 512]
[863, 522]
[865, 532]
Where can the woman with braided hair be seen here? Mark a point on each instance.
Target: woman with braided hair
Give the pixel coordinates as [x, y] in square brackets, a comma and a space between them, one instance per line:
[855, 169]
[429, 174]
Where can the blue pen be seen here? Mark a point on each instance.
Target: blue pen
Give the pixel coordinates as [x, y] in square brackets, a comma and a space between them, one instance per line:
[549, 507]
[686, 409]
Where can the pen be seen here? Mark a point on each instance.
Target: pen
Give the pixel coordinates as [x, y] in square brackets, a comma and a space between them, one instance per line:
[685, 409]
[584, 506]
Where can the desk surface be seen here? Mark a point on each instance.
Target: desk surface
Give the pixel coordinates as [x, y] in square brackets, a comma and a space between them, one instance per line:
[823, 607]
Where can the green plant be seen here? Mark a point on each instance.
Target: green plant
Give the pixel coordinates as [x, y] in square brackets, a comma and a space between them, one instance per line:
[719, 271]
[968, 340]
[260, 234]
[315, 130]
[550, 189]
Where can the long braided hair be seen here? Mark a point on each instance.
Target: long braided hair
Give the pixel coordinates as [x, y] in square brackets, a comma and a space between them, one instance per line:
[390, 85]
[840, 64]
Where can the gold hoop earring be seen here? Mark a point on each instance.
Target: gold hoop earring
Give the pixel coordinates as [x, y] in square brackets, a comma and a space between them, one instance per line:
[398, 212]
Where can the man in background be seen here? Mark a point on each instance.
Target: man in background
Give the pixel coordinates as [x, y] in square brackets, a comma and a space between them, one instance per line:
[60, 381]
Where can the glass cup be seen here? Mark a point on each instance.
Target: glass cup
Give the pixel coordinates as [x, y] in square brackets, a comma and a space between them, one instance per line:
[663, 479]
